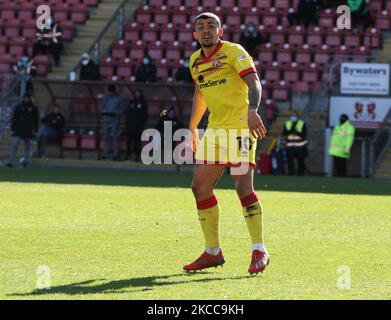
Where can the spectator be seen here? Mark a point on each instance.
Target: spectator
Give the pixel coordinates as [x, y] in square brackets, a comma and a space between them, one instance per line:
[136, 117]
[307, 12]
[51, 128]
[146, 72]
[111, 111]
[89, 70]
[250, 39]
[26, 68]
[24, 126]
[295, 132]
[49, 40]
[360, 13]
[341, 143]
[183, 74]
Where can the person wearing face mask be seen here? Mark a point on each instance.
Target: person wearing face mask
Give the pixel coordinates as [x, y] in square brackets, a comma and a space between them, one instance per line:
[341, 143]
[250, 39]
[24, 126]
[89, 70]
[183, 74]
[26, 68]
[295, 132]
[146, 72]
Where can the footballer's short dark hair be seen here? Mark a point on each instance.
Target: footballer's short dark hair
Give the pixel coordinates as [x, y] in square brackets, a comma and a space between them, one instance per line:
[208, 15]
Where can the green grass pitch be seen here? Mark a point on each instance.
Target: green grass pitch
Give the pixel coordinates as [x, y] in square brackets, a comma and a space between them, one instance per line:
[107, 234]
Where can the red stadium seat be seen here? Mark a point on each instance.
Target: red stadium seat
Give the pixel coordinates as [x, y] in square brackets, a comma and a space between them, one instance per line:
[233, 20]
[296, 36]
[26, 11]
[167, 36]
[326, 19]
[314, 39]
[161, 19]
[124, 70]
[106, 67]
[16, 47]
[265, 55]
[191, 4]
[282, 5]
[270, 20]
[301, 86]
[280, 92]
[185, 37]
[252, 18]
[119, 50]
[272, 74]
[8, 11]
[352, 40]
[136, 54]
[322, 56]
[333, 38]
[291, 74]
[149, 36]
[227, 4]
[278, 36]
[246, 5]
[263, 4]
[310, 74]
[143, 18]
[156, 54]
[179, 18]
[79, 13]
[155, 3]
[70, 141]
[376, 5]
[13, 29]
[68, 28]
[162, 73]
[131, 35]
[173, 54]
[284, 56]
[88, 142]
[303, 56]
[383, 22]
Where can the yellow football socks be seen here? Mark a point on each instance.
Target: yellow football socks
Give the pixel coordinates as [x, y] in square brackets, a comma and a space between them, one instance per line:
[208, 213]
[252, 211]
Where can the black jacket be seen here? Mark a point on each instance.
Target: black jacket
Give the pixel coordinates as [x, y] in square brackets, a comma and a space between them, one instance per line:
[90, 71]
[136, 116]
[25, 120]
[183, 74]
[55, 121]
[146, 73]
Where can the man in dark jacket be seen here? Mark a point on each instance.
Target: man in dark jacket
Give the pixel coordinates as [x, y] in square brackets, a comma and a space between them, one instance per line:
[89, 70]
[24, 127]
[111, 111]
[250, 39]
[136, 117]
[307, 12]
[51, 128]
[183, 74]
[146, 72]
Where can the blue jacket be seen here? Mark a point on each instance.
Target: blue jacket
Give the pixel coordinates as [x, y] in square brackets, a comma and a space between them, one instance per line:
[112, 105]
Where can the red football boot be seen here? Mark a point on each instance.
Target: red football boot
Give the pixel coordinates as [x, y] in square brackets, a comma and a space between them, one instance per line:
[206, 260]
[259, 262]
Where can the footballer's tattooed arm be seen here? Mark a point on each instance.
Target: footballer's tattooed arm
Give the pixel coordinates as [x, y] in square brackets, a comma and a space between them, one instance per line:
[255, 124]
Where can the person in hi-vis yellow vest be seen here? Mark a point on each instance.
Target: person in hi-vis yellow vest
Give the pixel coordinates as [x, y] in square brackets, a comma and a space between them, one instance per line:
[295, 132]
[341, 143]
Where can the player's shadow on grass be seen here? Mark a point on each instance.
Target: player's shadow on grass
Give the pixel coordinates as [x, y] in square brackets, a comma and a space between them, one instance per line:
[122, 286]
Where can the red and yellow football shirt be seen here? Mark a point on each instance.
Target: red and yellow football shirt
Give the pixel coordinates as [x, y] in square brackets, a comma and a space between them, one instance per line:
[219, 77]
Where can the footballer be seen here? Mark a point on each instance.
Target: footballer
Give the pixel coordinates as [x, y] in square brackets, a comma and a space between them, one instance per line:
[227, 84]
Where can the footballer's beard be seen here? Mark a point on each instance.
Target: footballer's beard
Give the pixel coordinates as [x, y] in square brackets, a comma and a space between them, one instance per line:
[208, 43]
